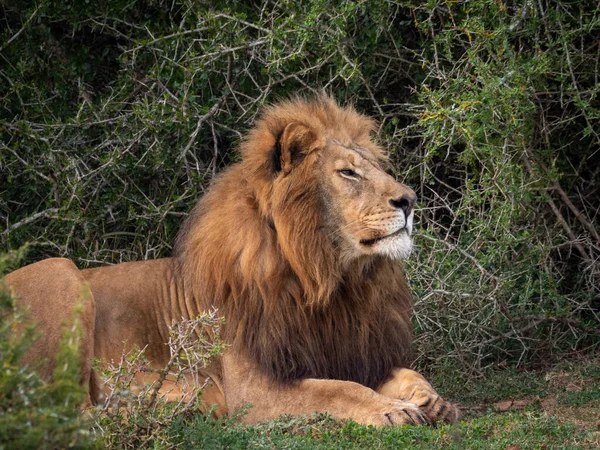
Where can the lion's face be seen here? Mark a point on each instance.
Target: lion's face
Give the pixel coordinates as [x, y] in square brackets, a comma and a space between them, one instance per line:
[317, 174]
[368, 212]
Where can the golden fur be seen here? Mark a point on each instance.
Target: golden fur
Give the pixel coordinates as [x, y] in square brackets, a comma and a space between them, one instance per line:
[257, 248]
[296, 245]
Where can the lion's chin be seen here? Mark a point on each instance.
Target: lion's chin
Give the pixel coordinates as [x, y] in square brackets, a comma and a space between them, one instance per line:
[396, 247]
[399, 245]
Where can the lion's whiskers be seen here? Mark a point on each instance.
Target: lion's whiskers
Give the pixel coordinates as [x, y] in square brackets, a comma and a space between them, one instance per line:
[338, 232]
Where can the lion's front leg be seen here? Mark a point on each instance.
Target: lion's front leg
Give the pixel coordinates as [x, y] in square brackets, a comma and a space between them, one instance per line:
[411, 386]
[245, 385]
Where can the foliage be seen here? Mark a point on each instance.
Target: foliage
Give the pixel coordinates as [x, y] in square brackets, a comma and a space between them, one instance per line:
[529, 430]
[37, 413]
[509, 159]
[116, 116]
[133, 416]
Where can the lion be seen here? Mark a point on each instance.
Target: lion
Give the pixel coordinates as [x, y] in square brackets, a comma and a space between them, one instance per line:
[297, 245]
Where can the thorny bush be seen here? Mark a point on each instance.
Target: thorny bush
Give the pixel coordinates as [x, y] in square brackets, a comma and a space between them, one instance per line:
[116, 115]
[134, 416]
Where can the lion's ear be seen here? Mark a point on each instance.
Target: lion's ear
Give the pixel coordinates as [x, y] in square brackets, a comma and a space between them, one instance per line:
[293, 145]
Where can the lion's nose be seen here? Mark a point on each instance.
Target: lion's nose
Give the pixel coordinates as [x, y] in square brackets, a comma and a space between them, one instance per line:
[405, 202]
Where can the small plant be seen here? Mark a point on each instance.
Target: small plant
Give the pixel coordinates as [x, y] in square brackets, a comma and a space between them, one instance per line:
[36, 413]
[131, 416]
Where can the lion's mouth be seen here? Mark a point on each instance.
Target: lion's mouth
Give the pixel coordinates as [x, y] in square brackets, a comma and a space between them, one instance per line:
[369, 242]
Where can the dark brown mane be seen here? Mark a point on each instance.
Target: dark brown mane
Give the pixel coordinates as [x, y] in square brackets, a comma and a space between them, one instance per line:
[256, 248]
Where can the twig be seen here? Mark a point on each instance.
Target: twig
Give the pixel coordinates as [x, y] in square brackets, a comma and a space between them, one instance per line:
[215, 149]
[572, 322]
[526, 157]
[567, 229]
[482, 269]
[32, 218]
[514, 331]
[248, 24]
[211, 112]
[362, 78]
[16, 35]
[587, 224]
[164, 38]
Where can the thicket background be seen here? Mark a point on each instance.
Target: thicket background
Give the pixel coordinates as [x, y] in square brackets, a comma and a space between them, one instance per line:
[115, 116]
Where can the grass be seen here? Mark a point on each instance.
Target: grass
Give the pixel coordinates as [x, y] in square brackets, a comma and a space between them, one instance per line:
[550, 409]
[526, 429]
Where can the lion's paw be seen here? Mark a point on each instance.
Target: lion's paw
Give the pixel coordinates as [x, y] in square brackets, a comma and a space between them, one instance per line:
[398, 413]
[437, 409]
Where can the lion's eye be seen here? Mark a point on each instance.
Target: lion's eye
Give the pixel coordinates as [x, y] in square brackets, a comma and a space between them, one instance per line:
[349, 173]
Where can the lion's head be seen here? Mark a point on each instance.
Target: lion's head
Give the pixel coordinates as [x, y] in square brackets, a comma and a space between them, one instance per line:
[365, 211]
[296, 243]
[328, 150]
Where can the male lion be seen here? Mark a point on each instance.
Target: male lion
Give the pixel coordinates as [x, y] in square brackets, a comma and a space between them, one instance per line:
[297, 247]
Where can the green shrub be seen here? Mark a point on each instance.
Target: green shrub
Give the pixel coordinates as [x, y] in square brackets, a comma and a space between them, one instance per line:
[116, 115]
[130, 416]
[37, 413]
[509, 164]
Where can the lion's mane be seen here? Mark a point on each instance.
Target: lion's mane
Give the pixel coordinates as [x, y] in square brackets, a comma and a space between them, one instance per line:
[256, 247]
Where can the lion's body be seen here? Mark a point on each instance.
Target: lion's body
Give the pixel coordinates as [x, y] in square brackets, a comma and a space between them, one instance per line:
[295, 246]
[135, 305]
[51, 290]
[124, 306]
